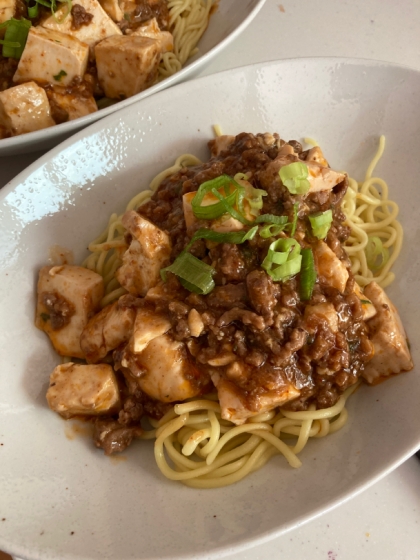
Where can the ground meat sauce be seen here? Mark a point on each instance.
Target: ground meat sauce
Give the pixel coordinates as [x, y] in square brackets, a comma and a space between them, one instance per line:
[255, 329]
[80, 17]
[60, 311]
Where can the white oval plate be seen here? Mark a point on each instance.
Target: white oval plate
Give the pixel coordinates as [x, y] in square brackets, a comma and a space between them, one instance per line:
[62, 498]
[229, 20]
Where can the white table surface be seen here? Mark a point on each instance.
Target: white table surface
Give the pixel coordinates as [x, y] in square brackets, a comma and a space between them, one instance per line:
[383, 523]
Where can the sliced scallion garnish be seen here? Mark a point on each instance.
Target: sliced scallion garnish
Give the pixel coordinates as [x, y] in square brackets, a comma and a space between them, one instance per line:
[307, 275]
[294, 177]
[254, 199]
[376, 254]
[232, 190]
[285, 253]
[195, 275]
[321, 223]
[15, 37]
[234, 237]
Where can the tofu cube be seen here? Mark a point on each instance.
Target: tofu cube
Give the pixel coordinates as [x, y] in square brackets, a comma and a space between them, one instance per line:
[148, 325]
[77, 389]
[388, 337]
[322, 178]
[51, 57]
[149, 251]
[113, 9]
[152, 30]
[68, 296]
[72, 104]
[24, 108]
[369, 310]
[167, 373]
[315, 154]
[331, 270]
[100, 27]
[233, 402]
[324, 311]
[106, 330]
[225, 223]
[126, 65]
[7, 10]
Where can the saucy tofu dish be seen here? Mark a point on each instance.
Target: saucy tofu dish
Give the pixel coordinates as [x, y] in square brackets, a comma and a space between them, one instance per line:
[232, 280]
[63, 61]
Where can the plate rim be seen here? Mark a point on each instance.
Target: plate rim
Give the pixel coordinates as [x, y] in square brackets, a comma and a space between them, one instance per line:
[341, 498]
[30, 138]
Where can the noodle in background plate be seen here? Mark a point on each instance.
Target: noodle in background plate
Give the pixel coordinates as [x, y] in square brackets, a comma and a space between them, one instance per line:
[205, 450]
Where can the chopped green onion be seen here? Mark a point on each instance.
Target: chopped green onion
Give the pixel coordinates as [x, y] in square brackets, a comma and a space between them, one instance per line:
[254, 198]
[216, 210]
[376, 254]
[295, 218]
[321, 223]
[271, 219]
[295, 177]
[195, 275]
[229, 209]
[240, 177]
[15, 37]
[33, 11]
[285, 253]
[365, 301]
[234, 237]
[307, 274]
[270, 230]
[60, 75]
[54, 9]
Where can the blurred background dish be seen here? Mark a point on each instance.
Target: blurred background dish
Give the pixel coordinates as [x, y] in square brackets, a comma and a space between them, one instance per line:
[67, 196]
[229, 18]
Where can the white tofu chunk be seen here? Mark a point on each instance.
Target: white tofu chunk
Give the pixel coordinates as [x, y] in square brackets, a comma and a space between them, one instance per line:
[329, 267]
[100, 27]
[149, 251]
[106, 330]
[113, 9]
[195, 323]
[220, 144]
[326, 312]
[320, 177]
[51, 57]
[148, 325]
[7, 10]
[77, 389]
[74, 105]
[152, 30]
[223, 224]
[67, 297]
[388, 337]
[315, 154]
[167, 370]
[126, 65]
[233, 402]
[24, 108]
[369, 310]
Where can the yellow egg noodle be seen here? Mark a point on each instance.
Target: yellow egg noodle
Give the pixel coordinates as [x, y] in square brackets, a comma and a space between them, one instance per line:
[372, 218]
[205, 450]
[188, 19]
